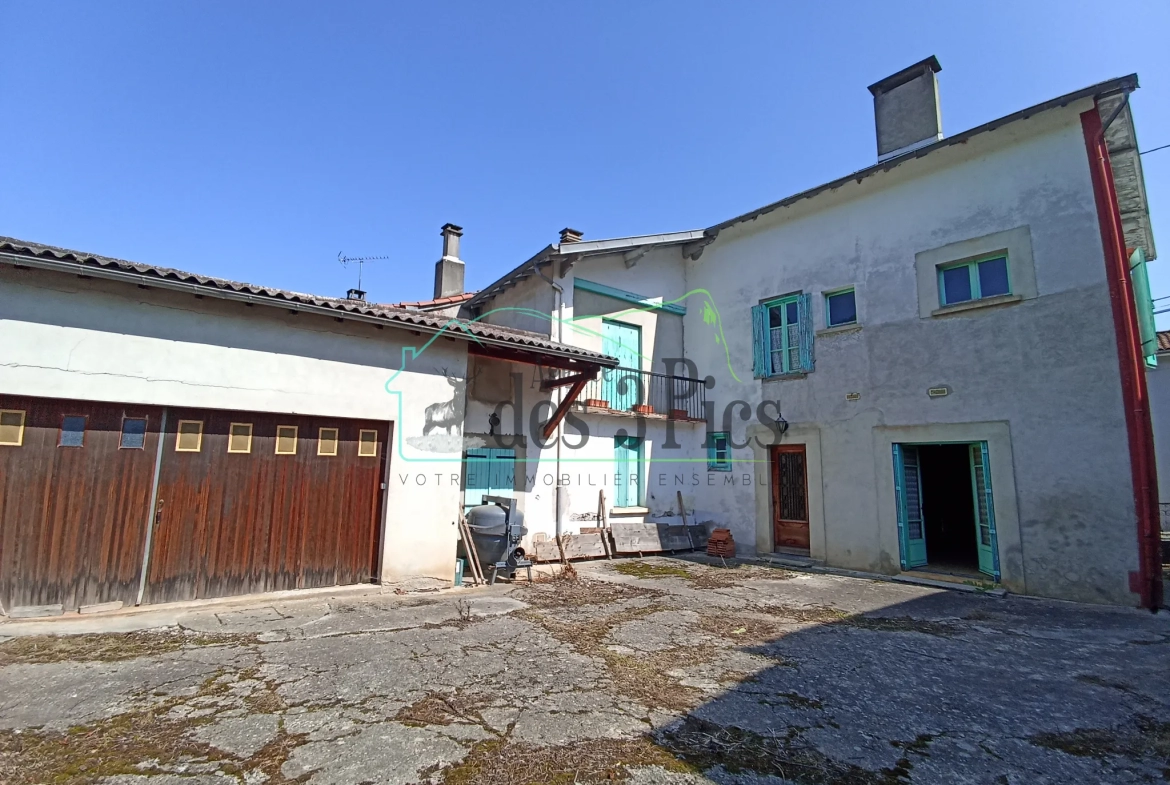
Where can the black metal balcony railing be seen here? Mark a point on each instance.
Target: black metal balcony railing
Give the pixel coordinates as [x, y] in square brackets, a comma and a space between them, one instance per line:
[642, 392]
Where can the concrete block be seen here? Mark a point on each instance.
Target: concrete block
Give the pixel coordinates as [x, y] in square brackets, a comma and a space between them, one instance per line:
[102, 607]
[35, 611]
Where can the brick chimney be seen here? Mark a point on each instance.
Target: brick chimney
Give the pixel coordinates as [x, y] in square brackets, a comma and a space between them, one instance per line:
[449, 269]
[906, 109]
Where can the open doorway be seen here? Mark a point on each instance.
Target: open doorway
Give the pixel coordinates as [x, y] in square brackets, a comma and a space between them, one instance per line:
[948, 508]
[946, 517]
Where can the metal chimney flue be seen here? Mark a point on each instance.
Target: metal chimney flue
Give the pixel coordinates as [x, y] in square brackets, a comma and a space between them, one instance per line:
[449, 269]
[906, 109]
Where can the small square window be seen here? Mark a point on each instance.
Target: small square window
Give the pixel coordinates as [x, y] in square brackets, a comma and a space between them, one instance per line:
[190, 436]
[72, 431]
[993, 277]
[956, 284]
[133, 433]
[719, 452]
[368, 444]
[11, 427]
[327, 441]
[840, 308]
[240, 437]
[974, 280]
[286, 440]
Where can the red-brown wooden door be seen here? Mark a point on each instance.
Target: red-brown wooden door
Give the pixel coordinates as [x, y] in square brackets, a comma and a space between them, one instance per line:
[73, 506]
[789, 496]
[268, 514]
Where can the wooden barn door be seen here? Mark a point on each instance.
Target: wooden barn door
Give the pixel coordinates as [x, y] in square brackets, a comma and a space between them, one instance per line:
[251, 502]
[74, 494]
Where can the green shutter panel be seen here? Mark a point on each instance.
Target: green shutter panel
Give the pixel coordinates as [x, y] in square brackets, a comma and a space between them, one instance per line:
[985, 540]
[804, 319]
[761, 358]
[1140, 279]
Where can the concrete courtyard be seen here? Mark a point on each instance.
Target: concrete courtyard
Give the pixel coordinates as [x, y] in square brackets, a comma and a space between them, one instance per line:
[645, 671]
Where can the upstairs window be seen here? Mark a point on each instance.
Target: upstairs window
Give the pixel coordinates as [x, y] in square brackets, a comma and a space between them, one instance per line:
[719, 452]
[327, 441]
[783, 336]
[974, 280]
[840, 308]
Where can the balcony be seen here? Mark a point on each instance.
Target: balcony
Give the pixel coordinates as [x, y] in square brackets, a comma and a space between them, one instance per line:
[624, 391]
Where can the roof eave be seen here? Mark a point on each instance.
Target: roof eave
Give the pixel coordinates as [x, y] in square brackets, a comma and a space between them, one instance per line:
[1101, 90]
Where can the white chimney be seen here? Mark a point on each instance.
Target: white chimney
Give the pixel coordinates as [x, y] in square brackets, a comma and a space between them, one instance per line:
[449, 269]
[906, 109]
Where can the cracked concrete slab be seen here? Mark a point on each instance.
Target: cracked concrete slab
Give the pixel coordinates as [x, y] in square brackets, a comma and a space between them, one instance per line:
[877, 681]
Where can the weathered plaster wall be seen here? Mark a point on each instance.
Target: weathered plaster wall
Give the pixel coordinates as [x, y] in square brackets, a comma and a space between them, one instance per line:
[521, 306]
[63, 337]
[1037, 376]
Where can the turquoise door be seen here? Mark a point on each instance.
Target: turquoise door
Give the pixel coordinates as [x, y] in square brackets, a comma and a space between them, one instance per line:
[489, 472]
[984, 511]
[619, 387]
[908, 490]
[627, 464]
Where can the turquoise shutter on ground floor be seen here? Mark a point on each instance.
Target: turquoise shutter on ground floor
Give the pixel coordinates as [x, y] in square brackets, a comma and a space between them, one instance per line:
[761, 357]
[1140, 279]
[985, 539]
[807, 334]
[908, 493]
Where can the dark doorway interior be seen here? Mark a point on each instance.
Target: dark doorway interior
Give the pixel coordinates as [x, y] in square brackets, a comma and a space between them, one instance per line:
[948, 507]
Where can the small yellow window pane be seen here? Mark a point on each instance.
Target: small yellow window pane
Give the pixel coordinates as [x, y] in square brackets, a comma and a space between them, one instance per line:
[368, 444]
[11, 428]
[240, 437]
[190, 438]
[286, 440]
[327, 441]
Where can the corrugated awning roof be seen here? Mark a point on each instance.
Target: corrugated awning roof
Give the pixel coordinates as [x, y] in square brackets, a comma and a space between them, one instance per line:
[64, 260]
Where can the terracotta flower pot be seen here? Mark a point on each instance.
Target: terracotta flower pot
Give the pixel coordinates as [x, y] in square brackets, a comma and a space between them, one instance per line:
[643, 408]
[596, 403]
[678, 414]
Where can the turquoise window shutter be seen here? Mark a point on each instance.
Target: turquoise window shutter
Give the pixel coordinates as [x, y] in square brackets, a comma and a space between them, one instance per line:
[761, 359]
[1140, 278]
[804, 319]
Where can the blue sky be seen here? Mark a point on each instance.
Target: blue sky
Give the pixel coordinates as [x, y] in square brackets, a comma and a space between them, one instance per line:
[255, 141]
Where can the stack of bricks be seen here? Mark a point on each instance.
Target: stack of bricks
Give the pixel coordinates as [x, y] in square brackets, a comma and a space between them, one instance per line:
[721, 544]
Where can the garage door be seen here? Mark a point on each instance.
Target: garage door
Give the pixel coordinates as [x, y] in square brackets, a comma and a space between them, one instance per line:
[252, 502]
[246, 502]
[75, 482]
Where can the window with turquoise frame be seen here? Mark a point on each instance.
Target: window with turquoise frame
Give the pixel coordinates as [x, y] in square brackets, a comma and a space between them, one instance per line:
[976, 279]
[719, 452]
[840, 308]
[783, 336]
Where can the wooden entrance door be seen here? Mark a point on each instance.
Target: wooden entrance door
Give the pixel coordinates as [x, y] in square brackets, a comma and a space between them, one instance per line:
[789, 496]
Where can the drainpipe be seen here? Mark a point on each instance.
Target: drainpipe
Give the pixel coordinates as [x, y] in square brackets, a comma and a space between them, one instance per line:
[1147, 581]
[559, 508]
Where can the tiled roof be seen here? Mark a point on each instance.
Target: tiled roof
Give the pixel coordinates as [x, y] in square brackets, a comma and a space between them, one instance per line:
[1164, 341]
[441, 302]
[45, 256]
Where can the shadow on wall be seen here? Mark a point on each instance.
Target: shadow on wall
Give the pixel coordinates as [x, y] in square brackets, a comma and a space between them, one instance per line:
[951, 687]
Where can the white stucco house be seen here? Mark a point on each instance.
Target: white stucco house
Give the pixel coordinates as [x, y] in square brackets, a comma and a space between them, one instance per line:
[935, 365]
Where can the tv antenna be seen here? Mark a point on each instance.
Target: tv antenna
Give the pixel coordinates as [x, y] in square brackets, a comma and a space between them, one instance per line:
[360, 261]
